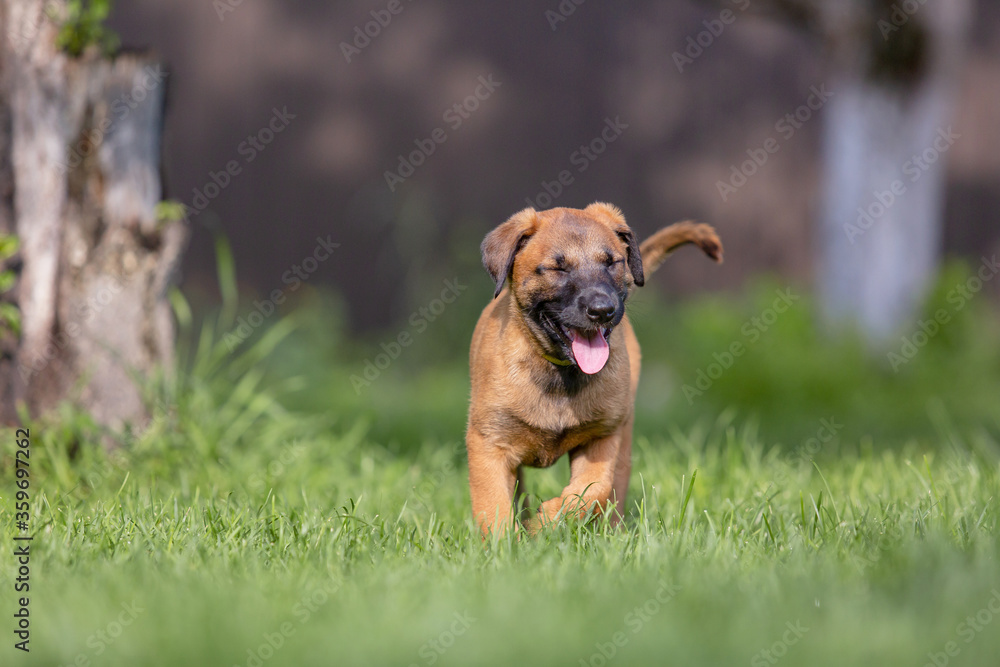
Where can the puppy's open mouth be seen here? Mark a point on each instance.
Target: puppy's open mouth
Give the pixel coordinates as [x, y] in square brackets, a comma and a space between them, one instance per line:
[589, 347]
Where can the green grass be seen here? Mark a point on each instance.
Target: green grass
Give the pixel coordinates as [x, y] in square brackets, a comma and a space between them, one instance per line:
[364, 556]
[268, 504]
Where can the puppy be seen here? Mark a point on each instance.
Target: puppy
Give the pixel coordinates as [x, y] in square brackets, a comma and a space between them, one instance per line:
[554, 361]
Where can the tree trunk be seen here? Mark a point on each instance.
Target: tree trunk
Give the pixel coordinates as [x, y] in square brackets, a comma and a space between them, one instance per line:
[95, 261]
[884, 152]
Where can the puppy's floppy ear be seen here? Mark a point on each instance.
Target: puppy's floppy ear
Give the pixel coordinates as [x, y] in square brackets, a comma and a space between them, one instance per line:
[632, 255]
[614, 218]
[501, 245]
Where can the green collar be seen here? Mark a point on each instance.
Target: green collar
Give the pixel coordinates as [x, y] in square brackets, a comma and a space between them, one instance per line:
[557, 361]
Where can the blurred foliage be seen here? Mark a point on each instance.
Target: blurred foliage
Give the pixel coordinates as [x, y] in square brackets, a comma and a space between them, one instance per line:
[170, 210]
[10, 316]
[789, 381]
[789, 377]
[83, 26]
[792, 375]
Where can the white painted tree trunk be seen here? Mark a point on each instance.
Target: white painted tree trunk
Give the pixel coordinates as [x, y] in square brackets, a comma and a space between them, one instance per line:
[881, 219]
[885, 147]
[96, 263]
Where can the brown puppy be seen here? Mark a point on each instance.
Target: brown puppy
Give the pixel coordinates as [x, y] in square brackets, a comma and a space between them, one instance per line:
[554, 360]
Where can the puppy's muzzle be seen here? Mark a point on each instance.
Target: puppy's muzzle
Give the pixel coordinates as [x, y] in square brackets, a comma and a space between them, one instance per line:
[599, 304]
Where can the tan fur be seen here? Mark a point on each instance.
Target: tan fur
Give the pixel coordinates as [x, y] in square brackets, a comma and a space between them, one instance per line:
[657, 247]
[521, 412]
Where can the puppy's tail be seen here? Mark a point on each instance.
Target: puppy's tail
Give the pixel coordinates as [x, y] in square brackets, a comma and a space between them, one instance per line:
[656, 248]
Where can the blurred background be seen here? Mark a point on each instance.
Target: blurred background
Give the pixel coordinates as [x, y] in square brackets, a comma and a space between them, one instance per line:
[353, 155]
[687, 116]
[240, 270]
[325, 174]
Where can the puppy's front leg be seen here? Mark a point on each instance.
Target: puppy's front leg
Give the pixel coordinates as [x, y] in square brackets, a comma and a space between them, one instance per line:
[623, 471]
[492, 478]
[592, 474]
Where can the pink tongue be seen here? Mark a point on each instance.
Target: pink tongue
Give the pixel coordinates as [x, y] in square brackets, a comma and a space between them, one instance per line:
[590, 351]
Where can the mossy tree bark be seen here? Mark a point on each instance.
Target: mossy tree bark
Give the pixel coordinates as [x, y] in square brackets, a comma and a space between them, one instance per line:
[80, 152]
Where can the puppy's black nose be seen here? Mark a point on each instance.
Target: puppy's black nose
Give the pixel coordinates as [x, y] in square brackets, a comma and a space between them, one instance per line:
[600, 307]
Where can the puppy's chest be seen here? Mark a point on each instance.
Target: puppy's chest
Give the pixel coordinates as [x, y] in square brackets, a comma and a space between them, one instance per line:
[551, 428]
